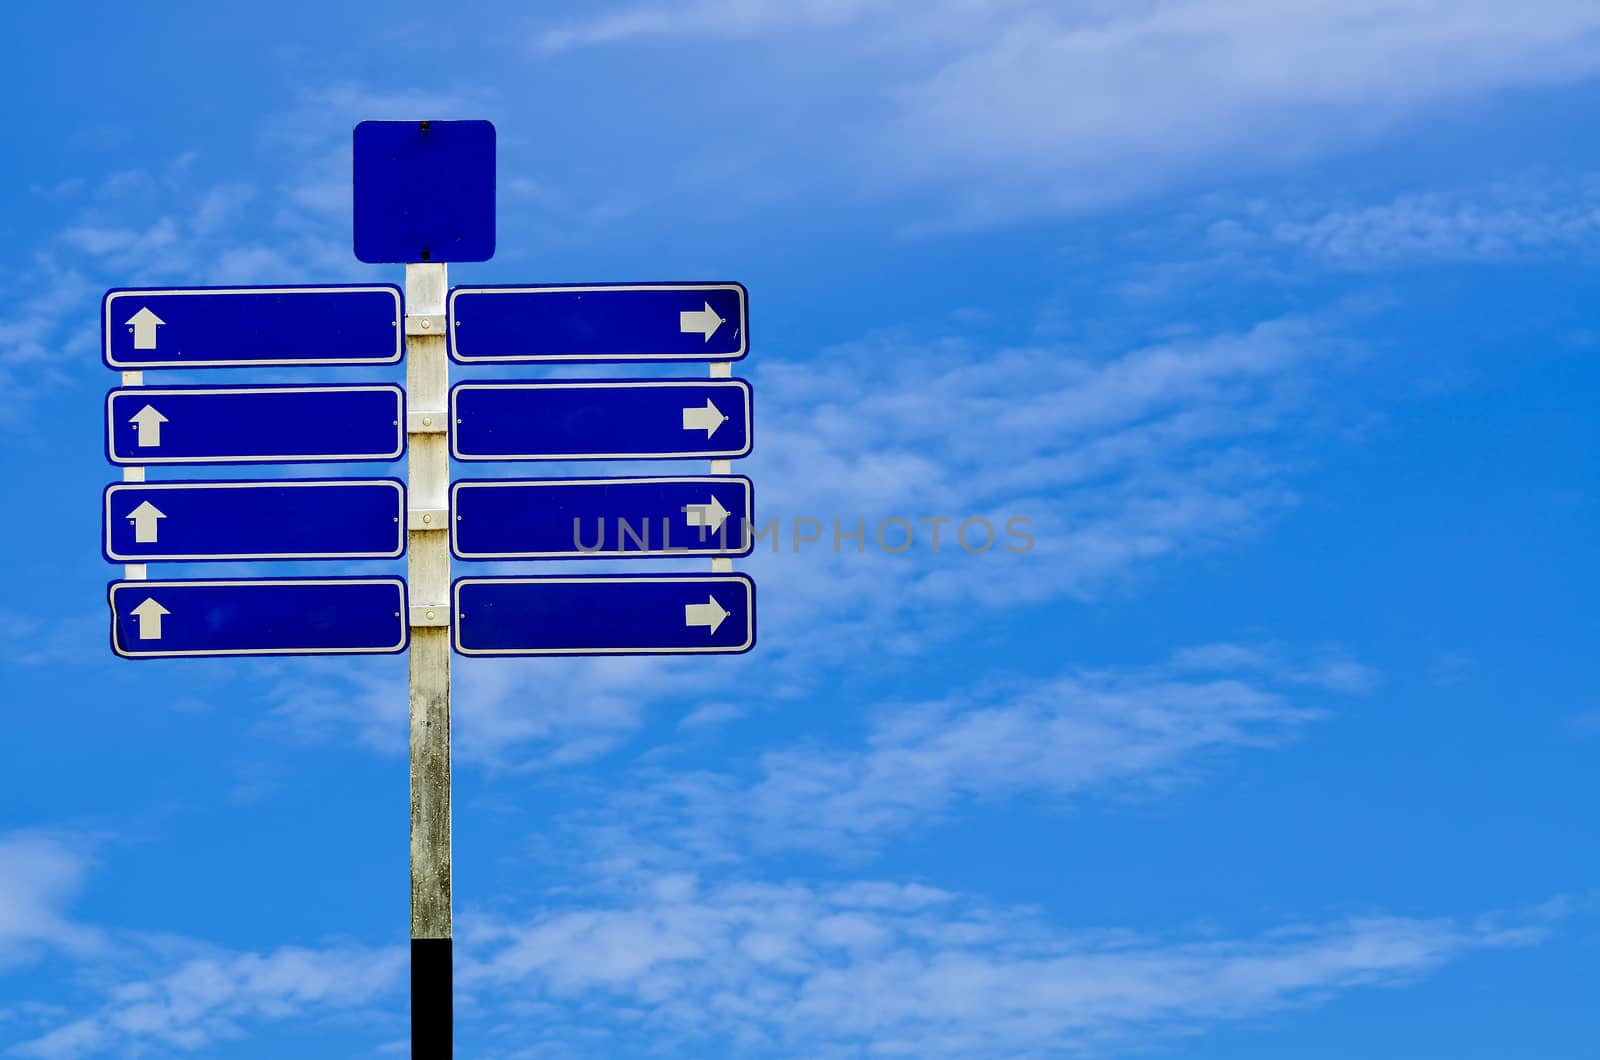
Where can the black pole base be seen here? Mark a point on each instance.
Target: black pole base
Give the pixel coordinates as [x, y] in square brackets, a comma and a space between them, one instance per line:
[431, 1001]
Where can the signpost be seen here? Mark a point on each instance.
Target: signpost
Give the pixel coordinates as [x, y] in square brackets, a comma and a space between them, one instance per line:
[243, 327]
[606, 614]
[591, 419]
[599, 322]
[424, 196]
[254, 424]
[278, 519]
[600, 517]
[289, 616]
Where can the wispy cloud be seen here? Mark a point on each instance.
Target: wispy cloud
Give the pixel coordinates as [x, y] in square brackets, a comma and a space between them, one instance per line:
[908, 970]
[1117, 461]
[1087, 734]
[40, 875]
[1498, 225]
[1025, 105]
[221, 996]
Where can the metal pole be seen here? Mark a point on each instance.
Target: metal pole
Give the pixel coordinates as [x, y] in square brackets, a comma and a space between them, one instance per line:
[428, 570]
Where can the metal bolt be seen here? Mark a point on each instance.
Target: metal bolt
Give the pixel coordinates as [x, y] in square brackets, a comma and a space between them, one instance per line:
[427, 421]
[426, 324]
[430, 616]
[427, 519]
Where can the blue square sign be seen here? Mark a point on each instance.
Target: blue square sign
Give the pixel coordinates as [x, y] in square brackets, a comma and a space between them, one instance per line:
[424, 191]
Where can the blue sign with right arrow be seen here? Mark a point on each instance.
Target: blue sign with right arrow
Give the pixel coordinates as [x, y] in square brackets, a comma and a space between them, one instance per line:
[599, 322]
[597, 419]
[555, 518]
[641, 614]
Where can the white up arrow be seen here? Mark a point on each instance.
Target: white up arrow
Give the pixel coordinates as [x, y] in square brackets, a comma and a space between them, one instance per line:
[144, 519]
[709, 614]
[711, 516]
[149, 615]
[148, 423]
[706, 419]
[699, 322]
[144, 328]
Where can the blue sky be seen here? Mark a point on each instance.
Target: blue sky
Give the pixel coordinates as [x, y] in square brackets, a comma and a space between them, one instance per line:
[1274, 320]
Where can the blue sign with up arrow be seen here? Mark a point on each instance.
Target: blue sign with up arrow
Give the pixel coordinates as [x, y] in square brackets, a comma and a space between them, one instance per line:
[279, 519]
[258, 616]
[254, 424]
[602, 517]
[594, 419]
[240, 327]
[644, 614]
[599, 322]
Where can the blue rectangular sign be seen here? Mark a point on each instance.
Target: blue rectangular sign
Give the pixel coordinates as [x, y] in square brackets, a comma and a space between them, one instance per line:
[254, 424]
[599, 322]
[590, 419]
[642, 614]
[600, 517]
[280, 519]
[240, 327]
[259, 616]
[424, 190]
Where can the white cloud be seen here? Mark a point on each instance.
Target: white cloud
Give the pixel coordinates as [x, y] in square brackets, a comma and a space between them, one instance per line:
[889, 969]
[215, 998]
[1086, 734]
[1501, 224]
[1117, 463]
[39, 875]
[1027, 105]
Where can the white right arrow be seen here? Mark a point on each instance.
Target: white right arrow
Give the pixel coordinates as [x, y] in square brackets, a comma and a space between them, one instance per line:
[147, 421]
[144, 325]
[144, 519]
[149, 615]
[711, 516]
[709, 614]
[699, 322]
[706, 419]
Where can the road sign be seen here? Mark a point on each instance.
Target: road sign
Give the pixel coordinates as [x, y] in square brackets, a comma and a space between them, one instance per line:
[599, 322]
[600, 517]
[281, 519]
[424, 191]
[258, 616]
[241, 327]
[254, 424]
[636, 419]
[644, 614]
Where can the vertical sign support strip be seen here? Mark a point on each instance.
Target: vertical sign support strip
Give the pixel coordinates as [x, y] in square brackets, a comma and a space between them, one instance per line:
[428, 574]
[723, 564]
[133, 572]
